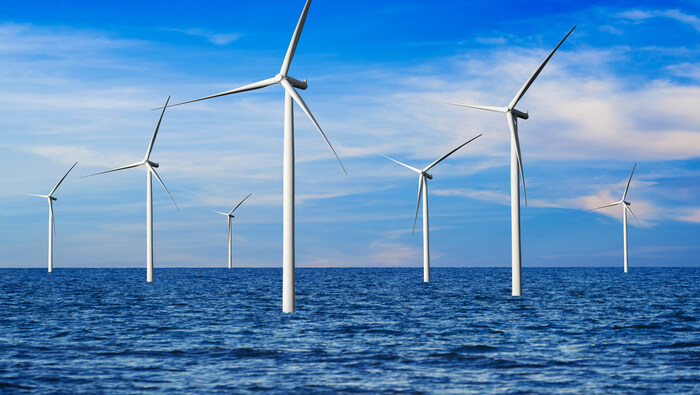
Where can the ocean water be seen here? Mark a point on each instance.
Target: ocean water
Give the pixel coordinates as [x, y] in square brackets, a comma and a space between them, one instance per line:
[594, 330]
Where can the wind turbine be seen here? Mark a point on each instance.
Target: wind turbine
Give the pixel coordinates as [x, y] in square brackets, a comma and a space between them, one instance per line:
[230, 216]
[516, 166]
[423, 177]
[52, 226]
[626, 207]
[290, 95]
[150, 169]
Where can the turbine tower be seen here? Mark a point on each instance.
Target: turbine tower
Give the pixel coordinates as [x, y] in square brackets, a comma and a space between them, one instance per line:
[230, 216]
[626, 207]
[52, 226]
[516, 168]
[423, 177]
[150, 170]
[290, 95]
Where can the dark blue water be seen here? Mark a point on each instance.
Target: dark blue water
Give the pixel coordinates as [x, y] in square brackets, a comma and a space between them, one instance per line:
[356, 330]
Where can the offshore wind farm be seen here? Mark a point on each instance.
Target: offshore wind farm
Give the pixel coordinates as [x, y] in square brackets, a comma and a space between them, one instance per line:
[323, 290]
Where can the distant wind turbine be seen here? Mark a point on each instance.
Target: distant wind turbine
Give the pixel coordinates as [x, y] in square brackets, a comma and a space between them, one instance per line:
[230, 216]
[52, 226]
[423, 177]
[288, 83]
[150, 169]
[626, 207]
[516, 168]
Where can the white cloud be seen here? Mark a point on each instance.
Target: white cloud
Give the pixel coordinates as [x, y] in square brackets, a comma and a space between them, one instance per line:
[611, 30]
[55, 42]
[394, 254]
[495, 40]
[686, 70]
[674, 14]
[212, 37]
[486, 195]
[689, 215]
[212, 153]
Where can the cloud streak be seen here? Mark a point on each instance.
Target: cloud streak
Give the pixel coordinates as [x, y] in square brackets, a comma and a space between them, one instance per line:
[210, 36]
[638, 15]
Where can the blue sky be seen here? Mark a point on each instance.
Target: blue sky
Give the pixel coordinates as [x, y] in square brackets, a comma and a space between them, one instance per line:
[78, 80]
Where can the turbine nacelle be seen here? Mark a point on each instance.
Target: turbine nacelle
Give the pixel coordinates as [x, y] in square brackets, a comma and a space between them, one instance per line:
[430, 176]
[153, 164]
[296, 83]
[53, 198]
[520, 114]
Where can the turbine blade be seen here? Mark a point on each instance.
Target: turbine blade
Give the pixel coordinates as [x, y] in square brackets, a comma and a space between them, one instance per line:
[449, 153]
[152, 170]
[420, 194]
[292, 92]
[624, 195]
[487, 108]
[607, 205]
[117, 169]
[402, 164]
[234, 209]
[41, 196]
[537, 73]
[249, 87]
[64, 177]
[153, 138]
[514, 130]
[630, 210]
[218, 212]
[295, 39]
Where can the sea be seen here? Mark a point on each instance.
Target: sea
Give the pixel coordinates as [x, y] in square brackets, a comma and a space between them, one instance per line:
[356, 330]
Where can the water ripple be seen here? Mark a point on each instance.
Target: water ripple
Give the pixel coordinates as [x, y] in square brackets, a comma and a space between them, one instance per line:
[355, 331]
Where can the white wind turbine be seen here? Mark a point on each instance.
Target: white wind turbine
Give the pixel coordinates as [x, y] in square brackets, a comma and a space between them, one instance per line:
[516, 167]
[52, 226]
[626, 207]
[288, 83]
[423, 177]
[230, 217]
[150, 169]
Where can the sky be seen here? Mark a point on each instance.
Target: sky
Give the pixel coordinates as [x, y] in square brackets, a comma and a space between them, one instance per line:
[78, 80]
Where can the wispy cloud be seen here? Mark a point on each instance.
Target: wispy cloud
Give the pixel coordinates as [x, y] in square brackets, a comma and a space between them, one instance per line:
[212, 153]
[486, 195]
[55, 42]
[394, 254]
[212, 37]
[674, 14]
[686, 70]
[689, 215]
[493, 40]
